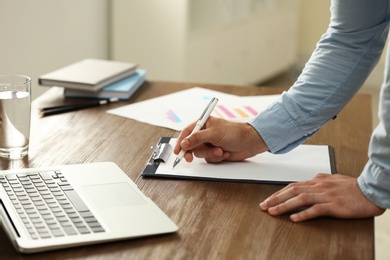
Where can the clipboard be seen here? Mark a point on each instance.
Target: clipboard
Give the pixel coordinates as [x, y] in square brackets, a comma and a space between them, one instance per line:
[302, 163]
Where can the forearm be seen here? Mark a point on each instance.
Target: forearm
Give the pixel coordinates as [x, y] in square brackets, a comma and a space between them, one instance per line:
[342, 61]
[375, 178]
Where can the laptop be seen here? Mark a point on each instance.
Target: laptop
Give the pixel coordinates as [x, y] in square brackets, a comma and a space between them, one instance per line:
[50, 208]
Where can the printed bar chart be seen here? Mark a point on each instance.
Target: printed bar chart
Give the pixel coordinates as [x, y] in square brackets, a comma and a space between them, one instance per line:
[177, 110]
[172, 116]
[244, 112]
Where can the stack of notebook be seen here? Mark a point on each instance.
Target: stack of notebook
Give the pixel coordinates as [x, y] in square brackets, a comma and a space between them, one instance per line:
[94, 78]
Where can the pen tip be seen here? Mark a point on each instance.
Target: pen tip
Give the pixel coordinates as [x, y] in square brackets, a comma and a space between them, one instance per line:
[177, 160]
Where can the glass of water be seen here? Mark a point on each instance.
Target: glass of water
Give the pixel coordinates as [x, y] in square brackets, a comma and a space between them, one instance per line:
[15, 115]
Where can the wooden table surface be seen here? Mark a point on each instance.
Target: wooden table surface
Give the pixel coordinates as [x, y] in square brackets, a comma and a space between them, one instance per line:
[217, 220]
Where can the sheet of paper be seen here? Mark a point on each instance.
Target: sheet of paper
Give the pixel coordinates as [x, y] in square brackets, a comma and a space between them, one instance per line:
[302, 163]
[177, 110]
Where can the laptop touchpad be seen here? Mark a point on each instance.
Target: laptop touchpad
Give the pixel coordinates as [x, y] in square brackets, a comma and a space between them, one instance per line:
[113, 195]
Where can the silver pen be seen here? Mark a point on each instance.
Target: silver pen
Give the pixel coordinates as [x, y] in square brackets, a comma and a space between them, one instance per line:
[201, 121]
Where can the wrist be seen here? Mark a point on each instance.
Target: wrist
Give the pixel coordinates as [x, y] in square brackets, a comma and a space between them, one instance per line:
[256, 142]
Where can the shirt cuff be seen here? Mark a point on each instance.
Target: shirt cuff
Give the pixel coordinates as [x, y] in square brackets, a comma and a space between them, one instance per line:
[278, 129]
[374, 182]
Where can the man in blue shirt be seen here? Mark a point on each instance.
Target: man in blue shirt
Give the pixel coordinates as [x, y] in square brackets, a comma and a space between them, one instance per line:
[344, 57]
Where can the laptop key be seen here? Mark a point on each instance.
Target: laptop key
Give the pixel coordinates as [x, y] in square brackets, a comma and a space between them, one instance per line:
[11, 177]
[76, 200]
[57, 232]
[83, 230]
[86, 214]
[97, 229]
[69, 230]
[47, 175]
[94, 224]
[44, 234]
[65, 223]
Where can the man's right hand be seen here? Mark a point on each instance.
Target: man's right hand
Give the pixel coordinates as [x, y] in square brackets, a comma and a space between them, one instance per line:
[220, 140]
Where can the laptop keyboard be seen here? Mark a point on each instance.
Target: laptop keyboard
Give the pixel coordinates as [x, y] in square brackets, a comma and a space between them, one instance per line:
[48, 205]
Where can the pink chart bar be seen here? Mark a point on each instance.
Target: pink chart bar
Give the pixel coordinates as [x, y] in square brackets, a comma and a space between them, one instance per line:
[251, 110]
[226, 111]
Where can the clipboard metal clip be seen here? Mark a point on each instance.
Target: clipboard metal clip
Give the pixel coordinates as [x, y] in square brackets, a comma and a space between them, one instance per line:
[161, 152]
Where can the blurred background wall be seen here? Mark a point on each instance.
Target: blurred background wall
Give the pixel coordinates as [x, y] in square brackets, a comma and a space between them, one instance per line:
[42, 35]
[216, 41]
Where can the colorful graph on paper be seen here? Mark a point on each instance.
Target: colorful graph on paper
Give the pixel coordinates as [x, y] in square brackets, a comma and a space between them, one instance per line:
[177, 110]
[244, 112]
[222, 111]
[172, 116]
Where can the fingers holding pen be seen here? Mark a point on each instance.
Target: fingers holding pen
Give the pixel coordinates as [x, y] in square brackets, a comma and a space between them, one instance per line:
[183, 134]
[194, 146]
[211, 155]
[215, 144]
[199, 143]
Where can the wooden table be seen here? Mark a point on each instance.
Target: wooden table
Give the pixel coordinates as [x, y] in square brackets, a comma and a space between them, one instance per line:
[217, 220]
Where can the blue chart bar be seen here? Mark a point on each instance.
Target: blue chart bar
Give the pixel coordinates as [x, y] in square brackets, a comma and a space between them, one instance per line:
[173, 117]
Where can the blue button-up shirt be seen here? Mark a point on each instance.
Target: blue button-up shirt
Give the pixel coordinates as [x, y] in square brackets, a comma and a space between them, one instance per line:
[341, 62]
